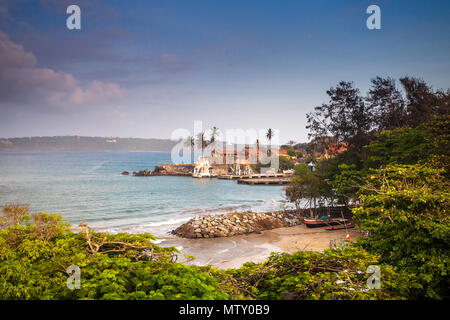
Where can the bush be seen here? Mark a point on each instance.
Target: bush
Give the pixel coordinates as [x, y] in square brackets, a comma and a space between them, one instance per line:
[406, 211]
[331, 275]
[34, 258]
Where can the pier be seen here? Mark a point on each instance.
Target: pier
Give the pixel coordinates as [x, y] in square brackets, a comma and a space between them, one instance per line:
[215, 171]
[264, 181]
[252, 176]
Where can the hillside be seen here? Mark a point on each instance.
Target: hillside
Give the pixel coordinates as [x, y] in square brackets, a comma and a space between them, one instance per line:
[86, 144]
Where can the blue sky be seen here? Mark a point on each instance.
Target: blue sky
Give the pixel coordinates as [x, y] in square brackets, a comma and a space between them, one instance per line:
[146, 68]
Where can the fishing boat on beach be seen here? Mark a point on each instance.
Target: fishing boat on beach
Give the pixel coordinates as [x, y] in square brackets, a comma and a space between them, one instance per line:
[341, 227]
[328, 222]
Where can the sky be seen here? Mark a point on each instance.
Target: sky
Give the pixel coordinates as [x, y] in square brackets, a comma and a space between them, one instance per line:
[146, 68]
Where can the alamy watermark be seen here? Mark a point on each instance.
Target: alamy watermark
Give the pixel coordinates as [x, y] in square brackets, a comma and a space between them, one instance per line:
[374, 20]
[374, 281]
[74, 279]
[74, 20]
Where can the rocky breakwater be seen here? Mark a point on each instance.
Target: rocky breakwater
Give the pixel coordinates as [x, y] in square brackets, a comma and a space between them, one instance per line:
[173, 169]
[231, 224]
[167, 170]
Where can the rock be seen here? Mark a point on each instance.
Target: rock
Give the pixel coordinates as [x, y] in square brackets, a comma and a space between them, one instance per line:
[125, 173]
[226, 225]
[143, 173]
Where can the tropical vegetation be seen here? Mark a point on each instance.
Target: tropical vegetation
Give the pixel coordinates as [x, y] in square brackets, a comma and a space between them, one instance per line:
[395, 171]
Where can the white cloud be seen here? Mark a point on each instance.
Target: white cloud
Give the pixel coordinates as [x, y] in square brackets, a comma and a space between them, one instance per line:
[21, 81]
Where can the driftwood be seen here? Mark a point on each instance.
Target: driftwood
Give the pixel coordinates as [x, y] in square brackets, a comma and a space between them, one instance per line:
[104, 246]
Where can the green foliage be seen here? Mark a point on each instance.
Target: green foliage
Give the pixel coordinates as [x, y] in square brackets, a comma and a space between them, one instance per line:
[312, 275]
[285, 163]
[346, 116]
[305, 185]
[346, 182]
[34, 260]
[294, 153]
[406, 211]
[34, 257]
[402, 179]
[428, 142]
[291, 152]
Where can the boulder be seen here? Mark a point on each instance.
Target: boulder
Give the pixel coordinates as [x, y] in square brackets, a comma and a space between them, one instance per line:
[231, 224]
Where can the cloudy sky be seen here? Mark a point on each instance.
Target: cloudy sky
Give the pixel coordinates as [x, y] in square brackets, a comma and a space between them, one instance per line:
[146, 68]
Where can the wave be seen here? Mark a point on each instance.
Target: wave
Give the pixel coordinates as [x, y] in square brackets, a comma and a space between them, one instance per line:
[96, 167]
[152, 227]
[258, 205]
[163, 227]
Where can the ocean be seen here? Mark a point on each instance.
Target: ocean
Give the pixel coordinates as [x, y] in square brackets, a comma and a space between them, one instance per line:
[88, 186]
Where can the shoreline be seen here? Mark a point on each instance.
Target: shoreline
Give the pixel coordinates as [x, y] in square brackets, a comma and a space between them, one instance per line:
[233, 252]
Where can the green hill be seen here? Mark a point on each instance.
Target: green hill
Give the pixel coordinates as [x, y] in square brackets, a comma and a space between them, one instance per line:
[86, 144]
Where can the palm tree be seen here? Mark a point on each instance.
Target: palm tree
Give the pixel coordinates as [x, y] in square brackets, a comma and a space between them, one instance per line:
[257, 151]
[269, 136]
[291, 142]
[214, 134]
[190, 142]
[202, 141]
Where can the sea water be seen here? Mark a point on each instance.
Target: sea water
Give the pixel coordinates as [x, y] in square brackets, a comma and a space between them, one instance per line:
[88, 186]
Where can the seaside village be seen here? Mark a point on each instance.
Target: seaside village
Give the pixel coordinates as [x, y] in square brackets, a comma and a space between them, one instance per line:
[250, 166]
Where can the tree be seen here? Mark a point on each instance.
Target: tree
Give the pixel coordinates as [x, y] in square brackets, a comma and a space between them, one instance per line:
[257, 152]
[212, 139]
[309, 275]
[406, 211]
[269, 136]
[37, 250]
[422, 103]
[387, 104]
[346, 117]
[190, 142]
[306, 185]
[285, 163]
[429, 142]
[346, 183]
[291, 152]
[202, 141]
[214, 134]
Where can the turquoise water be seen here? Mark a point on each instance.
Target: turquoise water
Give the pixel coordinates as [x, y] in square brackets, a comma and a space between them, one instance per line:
[88, 186]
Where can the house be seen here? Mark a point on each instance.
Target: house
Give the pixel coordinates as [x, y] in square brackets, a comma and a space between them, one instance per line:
[334, 149]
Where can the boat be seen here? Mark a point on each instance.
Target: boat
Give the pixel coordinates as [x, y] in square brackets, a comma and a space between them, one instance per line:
[317, 223]
[340, 227]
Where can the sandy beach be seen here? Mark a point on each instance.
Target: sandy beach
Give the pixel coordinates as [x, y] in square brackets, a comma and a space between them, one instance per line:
[233, 252]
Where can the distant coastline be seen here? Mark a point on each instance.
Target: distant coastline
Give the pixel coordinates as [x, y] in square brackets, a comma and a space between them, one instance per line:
[85, 143]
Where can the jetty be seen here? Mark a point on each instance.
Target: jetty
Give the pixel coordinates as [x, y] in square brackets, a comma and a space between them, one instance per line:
[251, 176]
[204, 170]
[264, 181]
